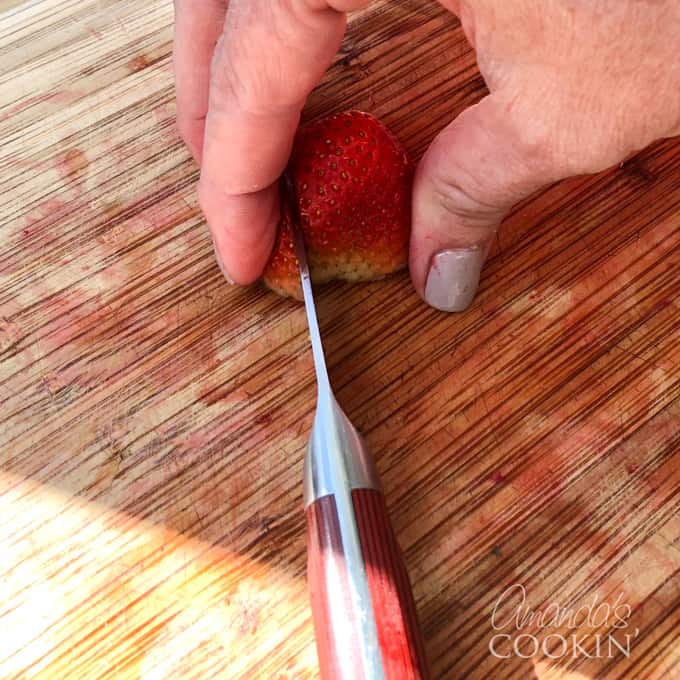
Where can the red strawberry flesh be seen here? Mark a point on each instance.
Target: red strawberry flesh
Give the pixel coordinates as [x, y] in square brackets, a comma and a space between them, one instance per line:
[353, 180]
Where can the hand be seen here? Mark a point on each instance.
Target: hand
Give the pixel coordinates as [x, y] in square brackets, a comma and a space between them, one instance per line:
[239, 116]
[575, 86]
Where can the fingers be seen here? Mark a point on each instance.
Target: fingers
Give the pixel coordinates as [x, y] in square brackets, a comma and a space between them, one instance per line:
[270, 58]
[198, 25]
[474, 172]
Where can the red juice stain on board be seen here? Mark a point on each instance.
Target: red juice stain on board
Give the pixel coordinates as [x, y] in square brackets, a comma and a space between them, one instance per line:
[52, 207]
[137, 63]
[263, 420]
[60, 97]
[497, 477]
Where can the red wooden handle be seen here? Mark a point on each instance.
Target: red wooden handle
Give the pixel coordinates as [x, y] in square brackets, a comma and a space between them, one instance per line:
[401, 644]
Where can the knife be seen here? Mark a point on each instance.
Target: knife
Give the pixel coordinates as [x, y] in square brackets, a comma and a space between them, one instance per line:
[365, 620]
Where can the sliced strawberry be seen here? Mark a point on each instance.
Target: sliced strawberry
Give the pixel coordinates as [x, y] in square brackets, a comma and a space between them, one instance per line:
[353, 180]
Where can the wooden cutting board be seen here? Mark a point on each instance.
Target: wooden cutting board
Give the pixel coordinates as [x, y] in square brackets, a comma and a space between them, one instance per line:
[154, 419]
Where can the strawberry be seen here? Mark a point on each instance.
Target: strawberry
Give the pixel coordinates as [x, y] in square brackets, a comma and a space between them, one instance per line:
[353, 181]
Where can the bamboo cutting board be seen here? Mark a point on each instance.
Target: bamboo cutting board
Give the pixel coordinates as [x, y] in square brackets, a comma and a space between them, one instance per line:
[154, 419]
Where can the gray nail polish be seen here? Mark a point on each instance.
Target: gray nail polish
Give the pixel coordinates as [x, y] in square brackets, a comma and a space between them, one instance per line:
[453, 278]
[220, 264]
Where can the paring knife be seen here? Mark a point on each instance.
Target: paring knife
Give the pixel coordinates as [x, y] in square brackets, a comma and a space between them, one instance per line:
[364, 616]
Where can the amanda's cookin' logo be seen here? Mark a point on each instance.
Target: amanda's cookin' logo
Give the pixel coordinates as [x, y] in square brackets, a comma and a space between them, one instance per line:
[558, 632]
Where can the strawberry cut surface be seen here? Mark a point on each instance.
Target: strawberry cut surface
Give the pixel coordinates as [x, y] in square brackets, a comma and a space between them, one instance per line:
[353, 181]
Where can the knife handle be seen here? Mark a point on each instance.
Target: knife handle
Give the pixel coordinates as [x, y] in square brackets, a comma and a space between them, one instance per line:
[335, 622]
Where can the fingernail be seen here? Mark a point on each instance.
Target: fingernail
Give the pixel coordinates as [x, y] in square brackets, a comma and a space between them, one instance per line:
[220, 264]
[454, 278]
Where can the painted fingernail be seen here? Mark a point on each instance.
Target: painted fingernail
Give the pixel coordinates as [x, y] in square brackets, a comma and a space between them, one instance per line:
[453, 278]
[220, 264]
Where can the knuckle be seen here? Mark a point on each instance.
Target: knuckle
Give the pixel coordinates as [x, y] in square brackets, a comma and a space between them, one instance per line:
[236, 81]
[240, 81]
[459, 196]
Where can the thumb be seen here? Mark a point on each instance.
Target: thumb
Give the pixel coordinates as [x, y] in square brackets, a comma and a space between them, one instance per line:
[473, 173]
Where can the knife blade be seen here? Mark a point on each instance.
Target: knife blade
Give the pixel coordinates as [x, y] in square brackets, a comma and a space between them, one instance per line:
[365, 620]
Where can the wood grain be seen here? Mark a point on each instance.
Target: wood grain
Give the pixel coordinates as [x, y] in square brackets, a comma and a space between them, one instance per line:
[154, 419]
[336, 621]
[403, 650]
[330, 597]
